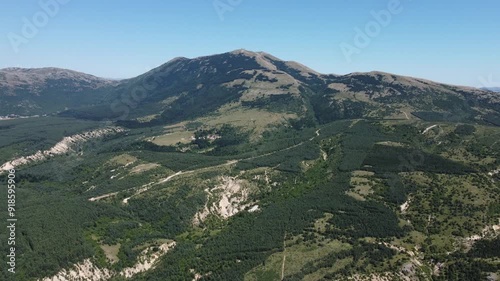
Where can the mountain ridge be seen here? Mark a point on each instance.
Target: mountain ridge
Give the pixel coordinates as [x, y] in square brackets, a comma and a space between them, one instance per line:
[248, 78]
[238, 51]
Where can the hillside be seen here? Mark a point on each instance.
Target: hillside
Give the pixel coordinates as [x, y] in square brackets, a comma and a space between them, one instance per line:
[236, 79]
[47, 90]
[190, 88]
[242, 166]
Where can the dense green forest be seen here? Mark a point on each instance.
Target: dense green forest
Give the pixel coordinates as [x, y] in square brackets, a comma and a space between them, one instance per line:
[314, 173]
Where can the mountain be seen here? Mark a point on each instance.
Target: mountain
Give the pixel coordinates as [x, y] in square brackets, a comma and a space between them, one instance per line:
[204, 84]
[242, 166]
[190, 88]
[47, 90]
[493, 89]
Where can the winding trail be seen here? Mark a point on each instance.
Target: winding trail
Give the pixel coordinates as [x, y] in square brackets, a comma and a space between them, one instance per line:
[428, 129]
[281, 150]
[148, 186]
[284, 258]
[102, 196]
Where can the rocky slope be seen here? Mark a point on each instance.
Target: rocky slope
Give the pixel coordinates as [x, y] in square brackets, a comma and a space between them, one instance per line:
[65, 145]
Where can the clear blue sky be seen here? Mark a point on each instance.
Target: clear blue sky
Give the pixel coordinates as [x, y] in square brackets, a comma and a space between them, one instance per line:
[448, 41]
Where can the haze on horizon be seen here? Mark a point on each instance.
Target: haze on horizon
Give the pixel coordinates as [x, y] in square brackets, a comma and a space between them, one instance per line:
[451, 43]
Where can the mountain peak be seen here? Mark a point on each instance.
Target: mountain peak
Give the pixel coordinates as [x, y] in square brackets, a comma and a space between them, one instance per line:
[262, 58]
[243, 52]
[270, 62]
[249, 53]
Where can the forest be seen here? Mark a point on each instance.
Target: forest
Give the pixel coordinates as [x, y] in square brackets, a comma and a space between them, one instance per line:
[313, 169]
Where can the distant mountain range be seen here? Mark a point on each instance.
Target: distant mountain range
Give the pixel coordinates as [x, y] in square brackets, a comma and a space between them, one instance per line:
[188, 88]
[47, 90]
[493, 89]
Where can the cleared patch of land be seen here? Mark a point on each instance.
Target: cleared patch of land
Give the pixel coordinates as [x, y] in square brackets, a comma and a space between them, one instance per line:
[361, 185]
[250, 119]
[173, 138]
[111, 252]
[297, 256]
[124, 159]
[144, 167]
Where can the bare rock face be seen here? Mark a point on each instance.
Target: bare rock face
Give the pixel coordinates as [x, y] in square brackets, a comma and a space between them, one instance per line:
[88, 271]
[225, 200]
[65, 145]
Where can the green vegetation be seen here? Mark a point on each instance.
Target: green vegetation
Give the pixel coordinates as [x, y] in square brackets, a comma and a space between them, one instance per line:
[312, 170]
[384, 159]
[337, 184]
[20, 137]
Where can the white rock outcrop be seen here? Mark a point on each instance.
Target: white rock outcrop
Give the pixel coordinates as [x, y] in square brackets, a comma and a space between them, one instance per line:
[65, 145]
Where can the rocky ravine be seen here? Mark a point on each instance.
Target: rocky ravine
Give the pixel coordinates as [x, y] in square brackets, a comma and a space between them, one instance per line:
[65, 145]
[225, 200]
[87, 271]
